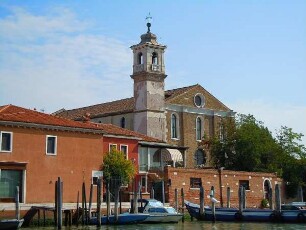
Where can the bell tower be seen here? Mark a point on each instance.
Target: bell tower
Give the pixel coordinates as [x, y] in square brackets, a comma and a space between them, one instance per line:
[149, 86]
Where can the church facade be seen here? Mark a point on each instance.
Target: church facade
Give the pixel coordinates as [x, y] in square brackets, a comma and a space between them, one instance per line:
[180, 117]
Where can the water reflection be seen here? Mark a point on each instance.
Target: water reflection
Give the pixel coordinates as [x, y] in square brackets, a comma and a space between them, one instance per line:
[195, 225]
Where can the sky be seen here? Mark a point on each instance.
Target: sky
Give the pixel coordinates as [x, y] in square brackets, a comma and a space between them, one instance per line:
[249, 54]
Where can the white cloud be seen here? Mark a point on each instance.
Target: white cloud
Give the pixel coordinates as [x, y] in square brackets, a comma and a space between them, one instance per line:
[275, 115]
[53, 61]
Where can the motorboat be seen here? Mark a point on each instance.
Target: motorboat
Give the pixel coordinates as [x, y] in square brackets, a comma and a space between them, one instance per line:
[158, 213]
[294, 212]
[124, 218]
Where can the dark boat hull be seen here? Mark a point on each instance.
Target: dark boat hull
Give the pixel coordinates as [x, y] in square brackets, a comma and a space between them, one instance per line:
[122, 219]
[10, 224]
[233, 214]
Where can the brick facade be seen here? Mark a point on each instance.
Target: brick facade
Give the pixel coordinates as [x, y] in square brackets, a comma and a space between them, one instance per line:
[180, 178]
[187, 121]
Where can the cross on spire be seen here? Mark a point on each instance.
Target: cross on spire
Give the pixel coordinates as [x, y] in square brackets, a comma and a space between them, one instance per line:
[149, 20]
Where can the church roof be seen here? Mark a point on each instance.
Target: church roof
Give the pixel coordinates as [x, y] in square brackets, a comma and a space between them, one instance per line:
[122, 106]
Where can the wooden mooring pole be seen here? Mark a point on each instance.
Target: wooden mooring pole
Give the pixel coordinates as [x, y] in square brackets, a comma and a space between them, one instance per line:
[17, 203]
[163, 192]
[228, 197]
[213, 206]
[99, 202]
[202, 195]
[90, 202]
[59, 203]
[183, 204]
[278, 201]
[176, 199]
[78, 209]
[152, 192]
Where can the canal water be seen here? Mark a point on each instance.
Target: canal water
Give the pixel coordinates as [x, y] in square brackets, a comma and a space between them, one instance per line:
[188, 225]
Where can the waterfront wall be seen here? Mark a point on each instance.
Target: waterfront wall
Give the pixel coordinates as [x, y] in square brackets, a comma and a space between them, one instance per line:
[220, 179]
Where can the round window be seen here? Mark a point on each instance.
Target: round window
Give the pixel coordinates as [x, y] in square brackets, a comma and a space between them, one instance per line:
[199, 100]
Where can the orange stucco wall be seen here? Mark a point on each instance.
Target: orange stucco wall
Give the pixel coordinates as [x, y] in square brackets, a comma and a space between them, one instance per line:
[131, 143]
[77, 155]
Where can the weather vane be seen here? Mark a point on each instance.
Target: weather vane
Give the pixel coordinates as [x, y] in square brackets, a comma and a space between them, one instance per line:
[149, 20]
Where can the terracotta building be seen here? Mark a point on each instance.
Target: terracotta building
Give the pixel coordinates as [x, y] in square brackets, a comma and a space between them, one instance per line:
[37, 148]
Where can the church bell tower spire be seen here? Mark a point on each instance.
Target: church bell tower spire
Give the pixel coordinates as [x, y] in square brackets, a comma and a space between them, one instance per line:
[149, 86]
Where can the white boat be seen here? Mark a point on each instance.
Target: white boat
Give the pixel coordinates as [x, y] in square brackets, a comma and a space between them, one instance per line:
[158, 213]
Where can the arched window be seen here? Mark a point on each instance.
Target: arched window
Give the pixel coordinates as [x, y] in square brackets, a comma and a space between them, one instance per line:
[267, 188]
[157, 156]
[140, 58]
[199, 128]
[200, 157]
[122, 122]
[154, 59]
[174, 126]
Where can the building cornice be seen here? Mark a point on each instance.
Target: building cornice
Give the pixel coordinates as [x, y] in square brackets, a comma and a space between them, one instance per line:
[203, 111]
[122, 137]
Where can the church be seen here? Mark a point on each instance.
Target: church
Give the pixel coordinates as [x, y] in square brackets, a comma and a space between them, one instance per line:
[180, 117]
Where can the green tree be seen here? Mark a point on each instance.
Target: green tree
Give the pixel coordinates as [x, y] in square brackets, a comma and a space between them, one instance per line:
[247, 145]
[294, 159]
[117, 171]
[290, 141]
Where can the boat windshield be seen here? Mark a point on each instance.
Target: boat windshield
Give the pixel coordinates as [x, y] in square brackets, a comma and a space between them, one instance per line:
[155, 203]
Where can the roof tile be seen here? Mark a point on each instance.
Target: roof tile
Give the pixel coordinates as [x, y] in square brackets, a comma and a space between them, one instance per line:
[12, 113]
[120, 106]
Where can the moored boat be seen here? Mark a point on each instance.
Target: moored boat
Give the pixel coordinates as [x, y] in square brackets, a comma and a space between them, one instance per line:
[124, 218]
[294, 212]
[289, 213]
[10, 224]
[157, 212]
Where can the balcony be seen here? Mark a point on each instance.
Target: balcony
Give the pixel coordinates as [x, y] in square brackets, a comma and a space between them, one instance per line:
[155, 67]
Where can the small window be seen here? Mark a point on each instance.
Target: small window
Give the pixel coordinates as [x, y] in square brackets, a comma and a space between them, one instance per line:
[144, 182]
[199, 129]
[154, 59]
[112, 146]
[200, 157]
[245, 184]
[122, 122]
[140, 58]
[95, 175]
[6, 141]
[174, 126]
[124, 150]
[195, 182]
[221, 132]
[51, 145]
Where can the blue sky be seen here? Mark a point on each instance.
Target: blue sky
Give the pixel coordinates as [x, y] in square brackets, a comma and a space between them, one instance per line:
[66, 54]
